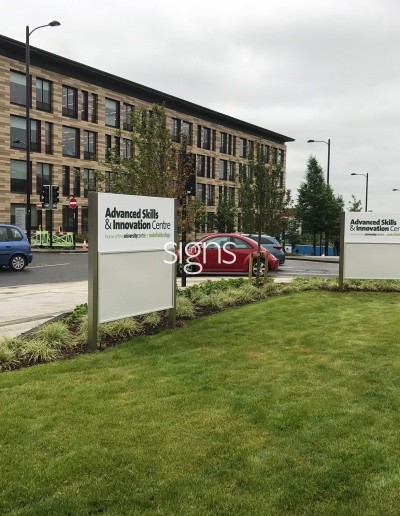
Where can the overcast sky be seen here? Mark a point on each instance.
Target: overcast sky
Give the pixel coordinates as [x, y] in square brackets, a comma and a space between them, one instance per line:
[310, 69]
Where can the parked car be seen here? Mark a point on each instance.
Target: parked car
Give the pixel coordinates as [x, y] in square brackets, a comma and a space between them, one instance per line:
[225, 253]
[271, 244]
[15, 250]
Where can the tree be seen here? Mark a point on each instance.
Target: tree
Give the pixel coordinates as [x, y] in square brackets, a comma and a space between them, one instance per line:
[262, 198]
[196, 215]
[312, 198]
[225, 216]
[156, 167]
[318, 209]
[355, 204]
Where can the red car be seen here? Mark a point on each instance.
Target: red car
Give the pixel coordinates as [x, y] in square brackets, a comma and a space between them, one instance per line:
[224, 253]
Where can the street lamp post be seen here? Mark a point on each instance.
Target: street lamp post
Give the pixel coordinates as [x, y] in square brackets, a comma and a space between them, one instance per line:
[328, 143]
[366, 187]
[28, 125]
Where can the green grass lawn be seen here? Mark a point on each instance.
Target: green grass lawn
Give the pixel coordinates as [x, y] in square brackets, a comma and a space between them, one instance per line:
[287, 406]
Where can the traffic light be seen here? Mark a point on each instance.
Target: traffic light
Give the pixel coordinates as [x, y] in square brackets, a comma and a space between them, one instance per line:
[55, 196]
[46, 197]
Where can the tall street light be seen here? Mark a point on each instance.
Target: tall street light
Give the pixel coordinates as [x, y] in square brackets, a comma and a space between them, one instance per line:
[28, 125]
[366, 187]
[328, 143]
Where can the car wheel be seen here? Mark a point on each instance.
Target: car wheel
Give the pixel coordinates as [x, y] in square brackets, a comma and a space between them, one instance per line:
[17, 263]
[257, 272]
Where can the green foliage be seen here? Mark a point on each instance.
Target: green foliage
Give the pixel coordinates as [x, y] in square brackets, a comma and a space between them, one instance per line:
[225, 216]
[264, 201]
[152, 319]
[9, 352]
[37, 350]
[286, 407]
[196, 215]
[355, 204]
[318, 210]
[185, 308]
[209, 287]
[56, 335]
[120, 329]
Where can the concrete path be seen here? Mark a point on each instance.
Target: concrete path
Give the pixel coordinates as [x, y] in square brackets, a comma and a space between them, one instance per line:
[24, 308]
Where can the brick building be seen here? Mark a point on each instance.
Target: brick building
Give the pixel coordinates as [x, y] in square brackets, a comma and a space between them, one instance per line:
[75, 113]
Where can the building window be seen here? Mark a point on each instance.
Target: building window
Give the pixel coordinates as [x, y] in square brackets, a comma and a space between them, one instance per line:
[176, 130]
[84, 105]
[108, 147]
[231, 195]
[48, 136]
[94, 108]
[250, 153]
[231, 171]
[17, 88]
[89, 181]
[108, 181]
[205, 166]
[68, 219]
[35, 135]
[18, 180]
[43, 95]
[113, 147]
[186, 129]
[70, 141]
[223, 145]
[127, 146]
[18, 133]
[112, 113]
[201, 192]
[127, 117]
[43, 176]
[69, 102]
[89, 144]
[117, 146]
[66, 181]
[77, 182]
[223, 169]
[210, 195]
[203, 137]
[242, 148]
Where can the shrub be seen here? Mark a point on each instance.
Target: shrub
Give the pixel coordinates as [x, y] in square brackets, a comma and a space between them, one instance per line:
[152, 319]
[185, 308]
[115, 330]
[56, 335]
[38, 351]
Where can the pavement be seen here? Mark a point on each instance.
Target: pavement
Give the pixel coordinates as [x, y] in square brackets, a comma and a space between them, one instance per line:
[26, 307]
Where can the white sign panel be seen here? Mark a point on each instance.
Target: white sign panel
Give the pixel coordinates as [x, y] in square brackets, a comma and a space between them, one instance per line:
[134, 223]
[372, 228]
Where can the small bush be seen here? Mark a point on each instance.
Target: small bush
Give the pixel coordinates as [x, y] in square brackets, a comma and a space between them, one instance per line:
[56, 335]
[115, 330]
[37, 350]
[152, 319]
[185, 308]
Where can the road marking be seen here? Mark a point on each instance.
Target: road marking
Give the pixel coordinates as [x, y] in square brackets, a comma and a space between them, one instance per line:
[52, 265]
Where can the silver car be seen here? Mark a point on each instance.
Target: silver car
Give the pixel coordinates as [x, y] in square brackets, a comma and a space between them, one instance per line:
[271, 244]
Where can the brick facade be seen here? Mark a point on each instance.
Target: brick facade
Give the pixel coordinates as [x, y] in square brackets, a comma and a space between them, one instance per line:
[60, 72]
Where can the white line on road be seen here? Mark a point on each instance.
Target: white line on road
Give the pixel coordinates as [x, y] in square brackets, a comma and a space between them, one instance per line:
[52, 265]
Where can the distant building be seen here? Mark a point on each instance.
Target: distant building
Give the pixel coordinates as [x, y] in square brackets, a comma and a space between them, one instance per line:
[75, 113]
